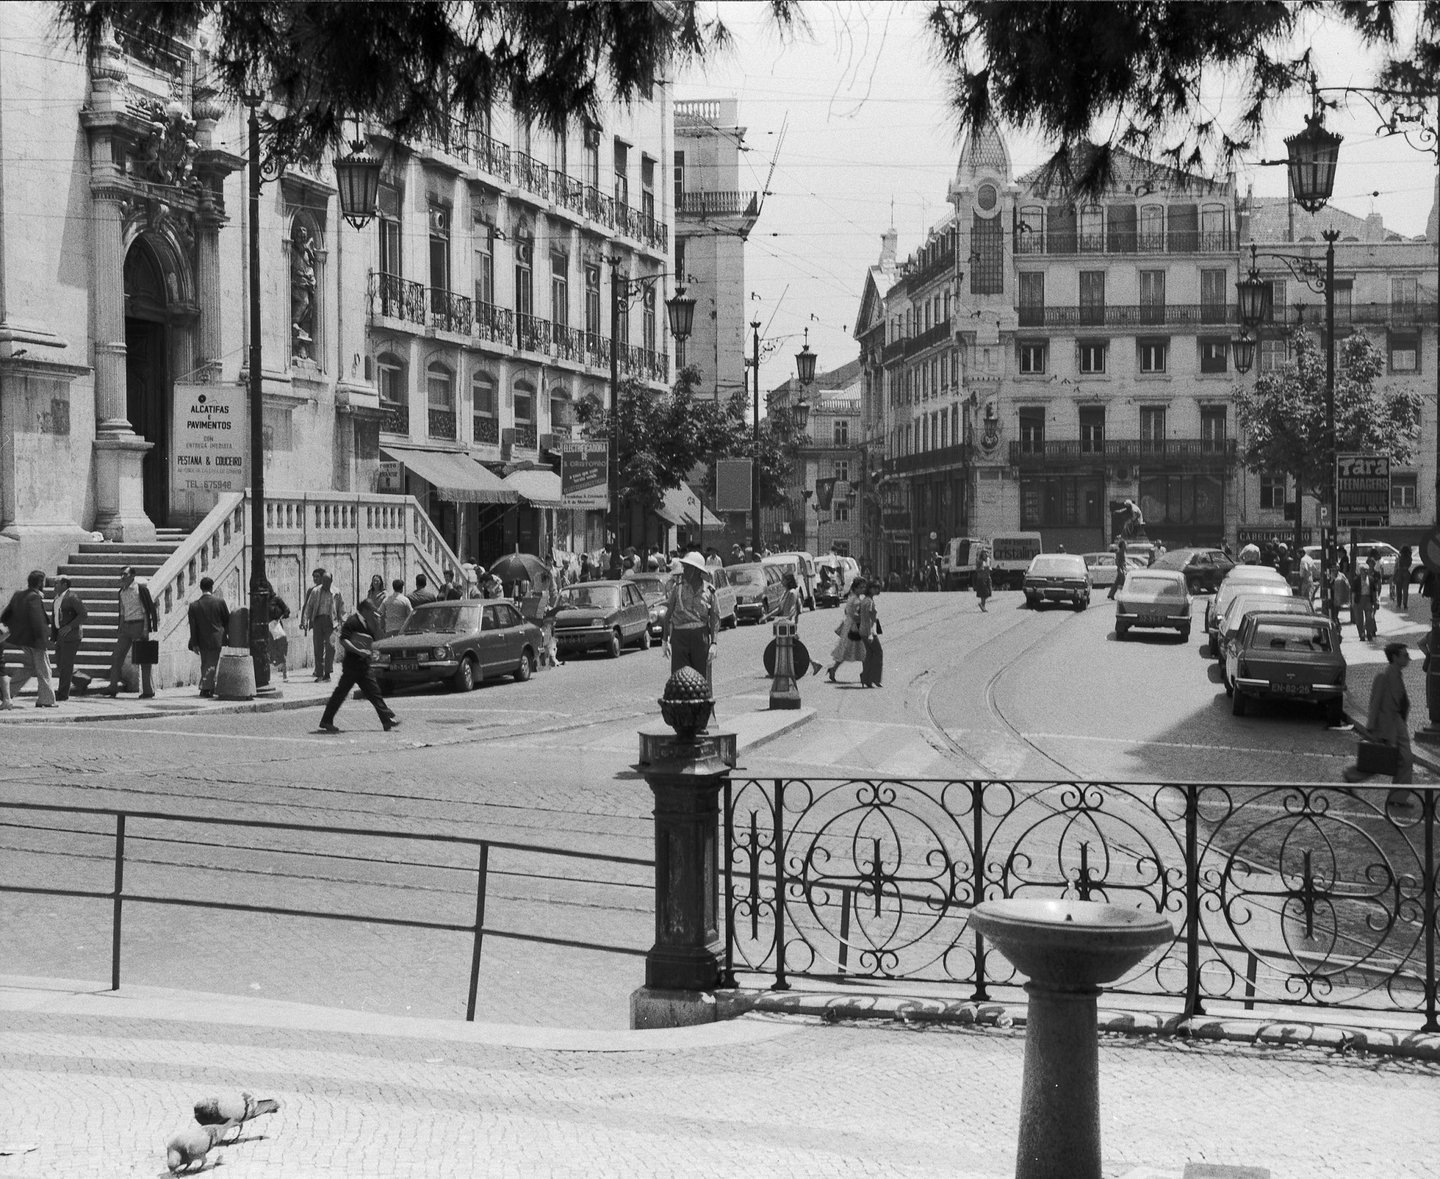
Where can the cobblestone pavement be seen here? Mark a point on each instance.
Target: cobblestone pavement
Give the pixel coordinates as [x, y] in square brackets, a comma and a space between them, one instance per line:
[99, 1095]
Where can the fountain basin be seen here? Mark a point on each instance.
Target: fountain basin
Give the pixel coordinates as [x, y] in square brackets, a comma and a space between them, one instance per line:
[1070, 944]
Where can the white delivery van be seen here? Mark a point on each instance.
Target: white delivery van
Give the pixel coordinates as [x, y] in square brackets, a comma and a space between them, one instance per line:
[801, 564]
[1010, 556]
[961, 555]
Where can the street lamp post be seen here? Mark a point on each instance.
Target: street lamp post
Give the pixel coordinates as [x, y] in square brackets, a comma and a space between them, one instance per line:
[800, 413]
[680, 312]
[358, 184]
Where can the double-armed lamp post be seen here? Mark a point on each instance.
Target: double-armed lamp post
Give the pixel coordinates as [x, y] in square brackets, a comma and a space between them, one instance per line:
[799, 415]
[357, 180]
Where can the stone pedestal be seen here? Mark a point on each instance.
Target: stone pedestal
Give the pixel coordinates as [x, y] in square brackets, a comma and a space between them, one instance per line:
[120, 488]
[682, 968]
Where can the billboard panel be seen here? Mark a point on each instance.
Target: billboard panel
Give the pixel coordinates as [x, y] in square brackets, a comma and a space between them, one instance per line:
[732, 485]
[1362, 490]
[584, 475]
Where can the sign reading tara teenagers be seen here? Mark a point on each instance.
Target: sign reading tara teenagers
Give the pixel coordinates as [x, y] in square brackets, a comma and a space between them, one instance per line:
[208, 447]
[1362, 490]
[584, 474]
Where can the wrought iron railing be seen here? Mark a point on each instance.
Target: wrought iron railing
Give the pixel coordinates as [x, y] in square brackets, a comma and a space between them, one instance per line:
[451, 312]
[462, 876]
[442, 424]
[485, 428]
[492, 156]
[1281, 895]
[597, 350]
[1027, 454]
[495, 323]
[532, 333]
[567, 343]
[394, 417]
[397, 298]
[569, 193]
[937, 334]
[526, 435]
[599, 206]
[1179, 241]
[531, 174]
[1128, 315]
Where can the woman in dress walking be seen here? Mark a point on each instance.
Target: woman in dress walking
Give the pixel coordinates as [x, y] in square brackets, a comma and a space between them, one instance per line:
[983, 587]
[854, 629]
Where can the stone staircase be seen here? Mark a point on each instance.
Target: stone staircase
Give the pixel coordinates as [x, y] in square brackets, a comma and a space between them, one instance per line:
[94, 574]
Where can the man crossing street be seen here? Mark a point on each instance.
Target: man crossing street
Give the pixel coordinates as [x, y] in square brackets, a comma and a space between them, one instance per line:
[357, 635]
[209, 618]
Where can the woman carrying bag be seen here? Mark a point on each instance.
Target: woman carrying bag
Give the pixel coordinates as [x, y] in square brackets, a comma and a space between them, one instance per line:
[279, 639]
[854, 630]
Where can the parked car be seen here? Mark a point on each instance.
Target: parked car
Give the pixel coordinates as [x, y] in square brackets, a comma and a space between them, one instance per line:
[462, 642]
[1241, 579]
[758, 590]
[1103, 568]
[1388, 555]
[834, 574]
[1242, 606]
[1057, 577]
[1154, 599]
[605, 614]
[1139, 551]
[1285, 657]
[1204, 569]
[802, 565]
[654, 587]
[725, 596]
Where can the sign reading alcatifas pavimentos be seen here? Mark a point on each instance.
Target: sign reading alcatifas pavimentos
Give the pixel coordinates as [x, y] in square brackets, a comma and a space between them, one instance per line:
[584, 474]
[1362, 490]
[210, 438]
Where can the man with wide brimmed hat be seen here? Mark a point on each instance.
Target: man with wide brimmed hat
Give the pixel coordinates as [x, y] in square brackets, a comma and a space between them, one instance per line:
[692, 617]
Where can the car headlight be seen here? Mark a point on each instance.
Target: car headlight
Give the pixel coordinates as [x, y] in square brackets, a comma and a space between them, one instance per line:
[440, 653]
[597, 623]
[382, 656]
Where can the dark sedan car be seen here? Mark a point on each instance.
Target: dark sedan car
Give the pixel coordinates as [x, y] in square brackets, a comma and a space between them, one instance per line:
[461, 642]
[654, 588]
[1204, 569]
[605, 614]
[1287, 657]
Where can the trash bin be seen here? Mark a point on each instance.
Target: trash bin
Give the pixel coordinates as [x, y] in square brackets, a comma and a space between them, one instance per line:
[237, 633]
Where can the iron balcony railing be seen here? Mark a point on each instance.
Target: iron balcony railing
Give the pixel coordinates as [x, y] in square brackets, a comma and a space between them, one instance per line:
[941, 458]
[451, 312]
[442, 424]
[484, 428]
[532, 333]
[1280, 896]
[1392, 314]
[597, 350]
[530, 174]
[492, 156]
[569, 193]
[495, 323]
[394, 417]
[394, 297]
[526, 435]
[599, 206]
[1157, 451]
[465, 879]
[894, 350]
[1183, 241]
[717, 204]
[942, 264]
[1130, 315]
[567, 343]
[454, 138]
[938, 334]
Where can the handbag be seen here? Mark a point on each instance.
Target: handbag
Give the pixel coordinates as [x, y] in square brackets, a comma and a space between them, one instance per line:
[145, 652]
[855, 636]
[277, 629]
[1376, 757]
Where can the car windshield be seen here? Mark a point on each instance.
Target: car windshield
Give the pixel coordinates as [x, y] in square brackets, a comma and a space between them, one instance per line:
[1093, 559]
[747, 577]
[1057, 566]
[1288, 636]
[597, 597]
[651, 587]
[450, 618]
[1242, 604]
[1141, 583]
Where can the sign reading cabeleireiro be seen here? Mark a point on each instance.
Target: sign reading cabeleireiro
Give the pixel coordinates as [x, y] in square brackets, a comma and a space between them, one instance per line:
[1362, 491]
[584, 475]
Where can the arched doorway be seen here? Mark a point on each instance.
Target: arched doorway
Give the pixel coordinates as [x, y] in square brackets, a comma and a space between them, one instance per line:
[147, 373]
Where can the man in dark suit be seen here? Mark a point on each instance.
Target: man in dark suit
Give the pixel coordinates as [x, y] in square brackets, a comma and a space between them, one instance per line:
[25, 616]
[67, 628]
[209, 620]
[423, 594]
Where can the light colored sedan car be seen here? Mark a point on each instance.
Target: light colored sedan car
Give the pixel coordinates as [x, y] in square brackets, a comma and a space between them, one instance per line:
[1241, 579]
[1102, 568]
[1153, 598]
[1241, 607]
[1058, 577]
[1285, 657]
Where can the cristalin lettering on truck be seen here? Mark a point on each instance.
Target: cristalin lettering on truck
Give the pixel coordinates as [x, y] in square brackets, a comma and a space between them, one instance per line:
[1010, 556]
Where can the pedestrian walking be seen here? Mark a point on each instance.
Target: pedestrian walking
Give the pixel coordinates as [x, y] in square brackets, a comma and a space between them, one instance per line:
[209, 619]
[854, 629]
[692, 619]
[1120, 560]
[983, 585]
[1400, 586]
[323, 606]
[376, 593]
[357, 636]
[30, 635]
[1308, 569]
[278, 637]
[67, 627]
[448, 590]
[1388, 721]
[872, 669]
[395, 608]
[1367, 584]
[6, 704]
[138, 621]
[422, 594]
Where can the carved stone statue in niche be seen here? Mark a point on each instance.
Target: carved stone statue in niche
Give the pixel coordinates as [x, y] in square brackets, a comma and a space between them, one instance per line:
[302, 293]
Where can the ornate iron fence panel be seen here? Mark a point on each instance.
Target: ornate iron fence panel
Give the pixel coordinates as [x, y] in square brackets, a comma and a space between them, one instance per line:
[1290, 895]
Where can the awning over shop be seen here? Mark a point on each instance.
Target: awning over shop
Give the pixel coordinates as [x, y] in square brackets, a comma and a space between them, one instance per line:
[456, 477]
[682, 506]
[538, 488]
[671, 509]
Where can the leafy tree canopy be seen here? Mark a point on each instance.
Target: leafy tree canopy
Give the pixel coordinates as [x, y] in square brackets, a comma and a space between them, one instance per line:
[1283, 412]
[1128, 73]
[412, 67]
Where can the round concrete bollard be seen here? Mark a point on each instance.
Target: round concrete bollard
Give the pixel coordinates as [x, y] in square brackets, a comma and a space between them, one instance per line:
[235, 675]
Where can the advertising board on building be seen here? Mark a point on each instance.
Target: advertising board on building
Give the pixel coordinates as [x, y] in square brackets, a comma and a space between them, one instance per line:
[209, 440]
[732, 485]
[584, 475]
[1362, 490]
[895, 519]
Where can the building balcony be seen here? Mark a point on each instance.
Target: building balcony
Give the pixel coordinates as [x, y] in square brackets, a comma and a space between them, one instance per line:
[1395, 315]
[745, 205]
[643, 364]
[597, 350]
[599, 207]
[894, 350]
[939, 334]
[450, 312]
[1130, 316]
[942, 264]
[496, 324]
[569, 193]
[526, 436]
[442, 424]
[1070, 242]
[530, 174]
[567, 343]
[484, 428]
[492, 156]
[393, 297]
[943, 458]
[1166, 454]
[394, 417]
[532, 334]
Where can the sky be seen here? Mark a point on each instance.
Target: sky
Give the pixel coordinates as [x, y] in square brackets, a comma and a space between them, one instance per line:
[851, 117]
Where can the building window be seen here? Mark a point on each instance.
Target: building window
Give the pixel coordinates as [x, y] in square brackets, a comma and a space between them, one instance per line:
[1152, 229]
[1091, 356]
[1214, 296]
[392, 380]
[1152, 429]
[1034, 355]
[1092, 296]
[590, 160]
[1032, 431]
[592, 302]
[1092, 229]
[440, 248]
[1152, 296]
[987, 260]
[622, 174]
[485, 268]
[1404, 352]
[524, 402]
[647, 319]
[1153, 355]
[679, 181]
[1403, 293]
[1032, 299]
[560, 289]
[842, 470]
[388, 222]
[1092, 429]
[1061, 501]
[440, 399]
[482, 395]
[1404, 491]
[1274, 353]
[842, 431]
[1278, 292]
[1272, 493]
[1214, 356]
[840, 513]
[524, 277]
[1212, 428]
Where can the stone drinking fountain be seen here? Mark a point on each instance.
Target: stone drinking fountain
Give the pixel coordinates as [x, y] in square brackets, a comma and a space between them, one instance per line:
[1068, 949]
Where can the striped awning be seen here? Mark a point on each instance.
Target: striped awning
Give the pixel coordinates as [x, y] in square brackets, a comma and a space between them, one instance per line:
[455, 477]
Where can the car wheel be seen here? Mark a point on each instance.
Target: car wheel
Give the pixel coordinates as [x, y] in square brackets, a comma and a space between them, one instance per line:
[1081, 603]
[1214, 648]
[1334, 712]
[612, 650]
[1237, 701]
[645, 639]
[1122, 630]
[1184, 634]
[527, 666]
[464, 678]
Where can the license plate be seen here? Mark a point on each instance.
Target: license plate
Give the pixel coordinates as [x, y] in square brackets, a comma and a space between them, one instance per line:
[1289, 689]
[404, 665]
[1151, 618]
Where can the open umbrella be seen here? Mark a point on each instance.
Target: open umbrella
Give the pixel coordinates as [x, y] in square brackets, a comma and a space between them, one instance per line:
[516, 567]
